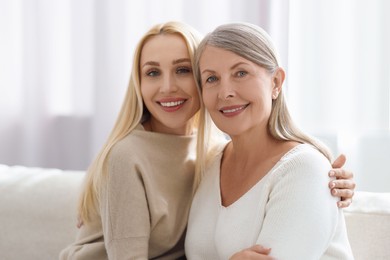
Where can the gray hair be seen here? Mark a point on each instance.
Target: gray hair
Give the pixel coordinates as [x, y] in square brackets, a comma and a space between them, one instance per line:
[254, 44]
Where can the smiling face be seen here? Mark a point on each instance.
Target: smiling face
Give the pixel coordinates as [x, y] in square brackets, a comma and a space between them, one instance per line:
[167, 84]
[237, 92]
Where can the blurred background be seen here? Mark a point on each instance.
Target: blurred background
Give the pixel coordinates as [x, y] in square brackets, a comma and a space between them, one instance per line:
[65, 65]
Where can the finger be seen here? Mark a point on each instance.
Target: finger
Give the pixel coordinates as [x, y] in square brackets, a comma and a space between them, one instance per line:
[344, 203]
[260, 249]
[340, 161]
[341, 174]
[249, 254]
[342, 184]
[79, 223]
[343, 193]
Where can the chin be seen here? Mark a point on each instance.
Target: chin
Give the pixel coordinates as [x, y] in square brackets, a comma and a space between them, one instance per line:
[233, 130]
[178, 125]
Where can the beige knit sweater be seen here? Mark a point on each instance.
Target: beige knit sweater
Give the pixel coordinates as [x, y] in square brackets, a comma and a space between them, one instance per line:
[145, 204]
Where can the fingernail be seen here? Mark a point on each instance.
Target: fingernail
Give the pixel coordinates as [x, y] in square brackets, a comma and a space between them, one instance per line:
[339, 204]
[332, 184]
[332, 173]
[334, 192]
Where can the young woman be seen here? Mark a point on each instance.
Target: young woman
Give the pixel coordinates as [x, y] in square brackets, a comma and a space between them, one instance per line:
[138, 191]
[267, 185]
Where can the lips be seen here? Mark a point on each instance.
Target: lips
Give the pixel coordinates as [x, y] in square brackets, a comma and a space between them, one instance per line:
[233, 110]
[171, 104]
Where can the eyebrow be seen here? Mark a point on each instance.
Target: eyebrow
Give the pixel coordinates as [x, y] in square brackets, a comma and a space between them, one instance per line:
[208, 71]
[238, 64]
[181, 61]
[151, 63]
[231, 68]
[174, 62]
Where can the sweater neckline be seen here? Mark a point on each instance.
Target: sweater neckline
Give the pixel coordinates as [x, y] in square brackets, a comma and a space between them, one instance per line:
[140, 128]
[257, 184]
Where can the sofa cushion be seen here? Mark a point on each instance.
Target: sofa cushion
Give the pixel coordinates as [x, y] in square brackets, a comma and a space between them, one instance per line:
[38, 215]
[368, 224]
[37, 211]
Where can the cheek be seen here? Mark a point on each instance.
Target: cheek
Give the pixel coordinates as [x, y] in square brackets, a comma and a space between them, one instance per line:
[146, 93]
[191, 90]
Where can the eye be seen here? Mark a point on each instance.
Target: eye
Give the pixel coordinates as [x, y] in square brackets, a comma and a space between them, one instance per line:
[183, 70]
[152, 73]
[241, 73]
[211, 79]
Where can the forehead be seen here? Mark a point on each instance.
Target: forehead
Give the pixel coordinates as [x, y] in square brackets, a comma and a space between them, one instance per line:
[211, 56]
[164, 46]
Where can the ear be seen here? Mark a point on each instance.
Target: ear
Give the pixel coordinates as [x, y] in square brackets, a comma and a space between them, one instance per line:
[277, 79]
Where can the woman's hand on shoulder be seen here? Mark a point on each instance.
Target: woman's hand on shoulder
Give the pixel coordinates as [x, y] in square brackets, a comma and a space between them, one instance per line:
[256, 252]
[344, 185]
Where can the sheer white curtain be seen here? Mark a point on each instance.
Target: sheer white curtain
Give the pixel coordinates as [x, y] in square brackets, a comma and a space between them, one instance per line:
[65, 64]
[64, 68]
[339, 81]
[46, 82]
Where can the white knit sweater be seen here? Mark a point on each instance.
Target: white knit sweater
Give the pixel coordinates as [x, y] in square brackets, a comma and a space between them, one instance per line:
[289, 210]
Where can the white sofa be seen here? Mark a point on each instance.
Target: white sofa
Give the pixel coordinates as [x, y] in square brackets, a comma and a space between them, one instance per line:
[37, 211]
[38, 219]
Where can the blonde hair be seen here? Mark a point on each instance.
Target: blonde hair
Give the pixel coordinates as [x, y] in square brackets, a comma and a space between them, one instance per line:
[254, 44]
[131, 114]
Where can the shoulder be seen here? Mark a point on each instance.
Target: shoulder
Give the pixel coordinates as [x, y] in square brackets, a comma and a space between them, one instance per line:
[125, 149]
[304, 161]
[126, 156]
[212, 169]
[301, 174]
[133, 145]
[136, 138]
[215, 157]
[304, 155]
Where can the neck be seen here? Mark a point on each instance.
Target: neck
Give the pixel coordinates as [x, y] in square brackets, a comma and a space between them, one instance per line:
[253, 145]
[255, 148]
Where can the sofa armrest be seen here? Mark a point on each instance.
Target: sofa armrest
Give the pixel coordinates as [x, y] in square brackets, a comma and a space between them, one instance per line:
[37, 211]
[368, 225]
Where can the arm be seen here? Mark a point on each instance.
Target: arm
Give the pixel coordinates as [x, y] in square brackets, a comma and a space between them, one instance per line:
[342, 187]
[301, 216]
[124, 210]
[344, 184]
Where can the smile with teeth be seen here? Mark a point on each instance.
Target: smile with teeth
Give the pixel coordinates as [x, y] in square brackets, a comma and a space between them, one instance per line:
[172, 103]
[233, 109]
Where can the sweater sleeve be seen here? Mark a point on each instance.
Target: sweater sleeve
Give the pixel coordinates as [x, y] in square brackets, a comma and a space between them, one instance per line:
[301, 215]
[124, 209]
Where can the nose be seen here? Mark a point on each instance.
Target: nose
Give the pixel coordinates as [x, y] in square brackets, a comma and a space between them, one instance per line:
[168, 84]
[226, 90]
